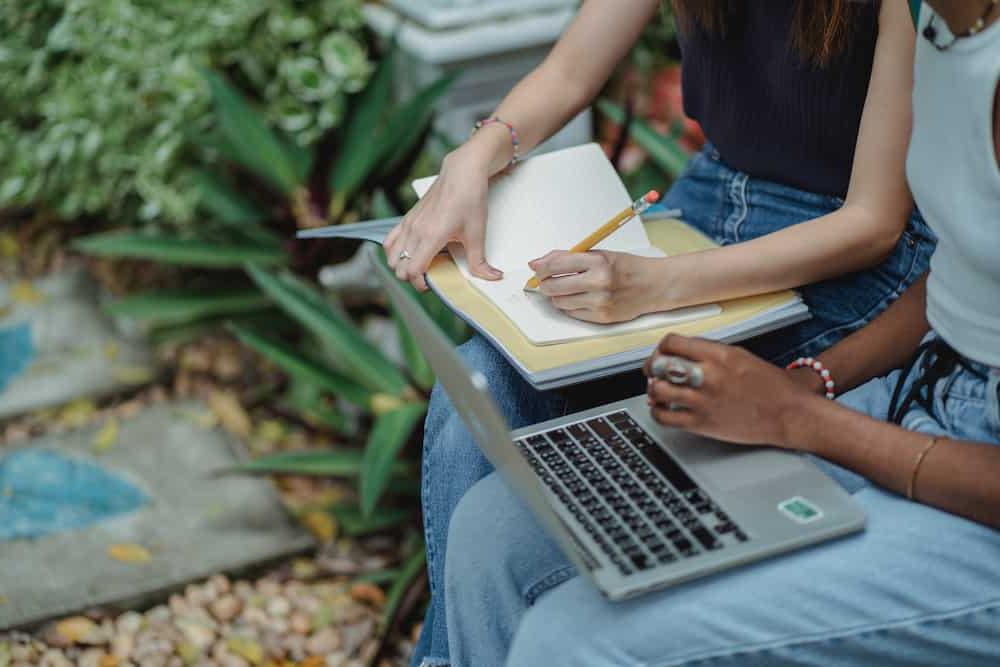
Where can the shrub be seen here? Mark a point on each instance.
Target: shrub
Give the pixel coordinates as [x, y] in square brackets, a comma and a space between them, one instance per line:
[98, 98]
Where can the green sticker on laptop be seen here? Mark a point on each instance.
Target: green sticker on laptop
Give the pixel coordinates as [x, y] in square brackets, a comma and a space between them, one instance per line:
[800, 510]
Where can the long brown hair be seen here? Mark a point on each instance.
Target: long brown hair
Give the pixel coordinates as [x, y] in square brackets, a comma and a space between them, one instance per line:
[820, 28]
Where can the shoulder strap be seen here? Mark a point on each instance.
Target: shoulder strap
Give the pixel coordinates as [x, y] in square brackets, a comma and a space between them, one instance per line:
[915, 11]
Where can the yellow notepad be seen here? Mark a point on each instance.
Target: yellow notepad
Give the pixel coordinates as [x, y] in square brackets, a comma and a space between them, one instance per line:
[549, 366]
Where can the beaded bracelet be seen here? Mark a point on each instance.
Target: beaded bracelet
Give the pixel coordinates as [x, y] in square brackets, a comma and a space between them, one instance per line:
[816, 365]
[514, 140]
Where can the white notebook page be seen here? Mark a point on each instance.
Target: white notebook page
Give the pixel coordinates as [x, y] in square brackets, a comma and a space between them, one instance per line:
[550, 202]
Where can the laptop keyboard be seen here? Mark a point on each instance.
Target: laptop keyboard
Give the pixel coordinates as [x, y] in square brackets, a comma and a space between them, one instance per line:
[628, 493]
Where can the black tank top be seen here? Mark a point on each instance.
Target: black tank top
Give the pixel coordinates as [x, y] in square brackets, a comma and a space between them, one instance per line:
[770, 113]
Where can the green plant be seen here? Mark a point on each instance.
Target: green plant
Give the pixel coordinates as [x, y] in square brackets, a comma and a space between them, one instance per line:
[338, 381]
[97, 98]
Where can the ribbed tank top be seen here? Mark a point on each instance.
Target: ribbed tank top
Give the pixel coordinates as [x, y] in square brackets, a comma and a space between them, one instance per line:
[953, 173]
[767, 111]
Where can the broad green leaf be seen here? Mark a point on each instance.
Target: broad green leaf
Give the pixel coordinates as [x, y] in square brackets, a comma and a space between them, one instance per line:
[355, 159]
[273, 318]
[312, 404]
[320, 415]
[381, 206]
[665, 151]
[255, 145]
[304, 368]
[331, 463]
[417, 364]
[406, 125]
[174, 250]
[177, 307]
[225, 203]
[355, 523]
[357, 357]
[410, 570]
[377, 576]
[300, 157]
[389, 433]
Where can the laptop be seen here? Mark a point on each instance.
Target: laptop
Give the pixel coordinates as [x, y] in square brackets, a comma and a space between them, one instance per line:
[634, 505]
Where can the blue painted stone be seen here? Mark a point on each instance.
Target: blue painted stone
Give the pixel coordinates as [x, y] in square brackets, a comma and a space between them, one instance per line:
[44, 492]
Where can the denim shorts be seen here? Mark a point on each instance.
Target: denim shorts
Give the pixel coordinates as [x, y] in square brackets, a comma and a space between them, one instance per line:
[729, 206]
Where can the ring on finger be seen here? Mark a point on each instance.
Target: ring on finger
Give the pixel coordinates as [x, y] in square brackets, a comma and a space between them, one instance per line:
[404, 255]
[678, 371]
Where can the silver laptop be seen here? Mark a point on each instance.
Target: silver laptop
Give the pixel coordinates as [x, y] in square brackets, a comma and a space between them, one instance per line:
[636, 506]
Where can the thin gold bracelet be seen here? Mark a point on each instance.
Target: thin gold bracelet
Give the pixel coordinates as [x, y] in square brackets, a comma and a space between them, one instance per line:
[917, 463]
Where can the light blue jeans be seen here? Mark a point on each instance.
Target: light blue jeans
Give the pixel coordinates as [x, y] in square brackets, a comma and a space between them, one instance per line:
[918, 587]
[727, 205]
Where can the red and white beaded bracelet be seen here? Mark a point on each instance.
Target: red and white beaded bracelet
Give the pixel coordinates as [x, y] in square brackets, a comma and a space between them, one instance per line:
[824, 373]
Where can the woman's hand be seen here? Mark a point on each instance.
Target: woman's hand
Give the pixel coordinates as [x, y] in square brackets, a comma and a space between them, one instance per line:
[741, 399]
[602, 286]
[453, 210]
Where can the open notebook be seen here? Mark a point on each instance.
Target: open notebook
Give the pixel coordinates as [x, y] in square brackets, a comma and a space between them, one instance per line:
[551, 202]
[586, 357]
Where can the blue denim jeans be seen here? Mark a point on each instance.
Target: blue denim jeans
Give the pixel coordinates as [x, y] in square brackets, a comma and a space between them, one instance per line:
[729, 207]
[917, 587]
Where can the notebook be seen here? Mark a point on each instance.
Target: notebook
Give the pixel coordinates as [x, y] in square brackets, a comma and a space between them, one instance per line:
[549, 202]
[586, 358]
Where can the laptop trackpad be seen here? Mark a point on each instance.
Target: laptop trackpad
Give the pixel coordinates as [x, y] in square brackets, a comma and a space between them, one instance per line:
[728, 466]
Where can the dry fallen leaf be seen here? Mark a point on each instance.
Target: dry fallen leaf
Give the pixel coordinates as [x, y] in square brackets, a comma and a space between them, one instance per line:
[132, 374]
[24, 292]
[321, 524]
[76, 629]
[77, 413]
[130, 553]
[313, 661]
[368, 592]
[109, 661]
[111, 350]
[9, 247]
[247, 649]
[107, 436]
[382, 403]
[231, 414]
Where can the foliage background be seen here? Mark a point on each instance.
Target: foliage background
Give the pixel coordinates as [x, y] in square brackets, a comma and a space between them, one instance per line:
[99, 98]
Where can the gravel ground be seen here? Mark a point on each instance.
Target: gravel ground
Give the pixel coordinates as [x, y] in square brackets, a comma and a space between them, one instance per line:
[296, 615]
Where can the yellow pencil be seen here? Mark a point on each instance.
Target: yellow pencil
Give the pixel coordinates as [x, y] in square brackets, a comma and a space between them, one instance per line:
[607, 229]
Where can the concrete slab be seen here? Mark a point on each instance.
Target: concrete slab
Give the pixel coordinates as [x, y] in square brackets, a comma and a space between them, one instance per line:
[195, 524]
[79, 350]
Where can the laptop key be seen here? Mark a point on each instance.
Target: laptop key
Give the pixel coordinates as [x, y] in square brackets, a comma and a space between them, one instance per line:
[558, 436]
[601, 428]
[640, 561]
[708, 541]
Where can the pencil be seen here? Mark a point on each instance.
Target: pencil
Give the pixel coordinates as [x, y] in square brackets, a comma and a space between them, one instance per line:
[607, 229]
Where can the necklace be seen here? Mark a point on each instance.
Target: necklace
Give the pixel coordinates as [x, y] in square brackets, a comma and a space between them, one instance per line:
[930, 32]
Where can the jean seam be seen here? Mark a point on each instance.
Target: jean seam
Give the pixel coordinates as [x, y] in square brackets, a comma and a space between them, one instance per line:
[548, 582]
[991, 606]
[428, 531]
[738, 198]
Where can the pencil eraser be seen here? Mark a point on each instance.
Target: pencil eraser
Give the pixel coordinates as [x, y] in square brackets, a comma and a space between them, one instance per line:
[652, 196]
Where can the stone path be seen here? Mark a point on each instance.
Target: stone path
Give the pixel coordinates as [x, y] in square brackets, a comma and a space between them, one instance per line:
[195, 525]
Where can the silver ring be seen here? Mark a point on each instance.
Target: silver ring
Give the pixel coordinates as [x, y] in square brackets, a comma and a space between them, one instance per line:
[404, 255]
[678, 371]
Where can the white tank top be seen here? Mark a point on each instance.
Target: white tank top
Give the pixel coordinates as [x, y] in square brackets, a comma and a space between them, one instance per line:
[953, 173]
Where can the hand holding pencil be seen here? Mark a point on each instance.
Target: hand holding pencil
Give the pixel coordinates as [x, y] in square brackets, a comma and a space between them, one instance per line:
[607, 229]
